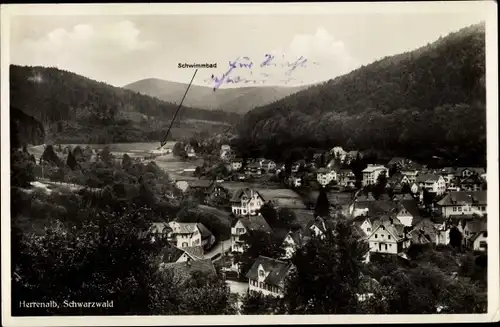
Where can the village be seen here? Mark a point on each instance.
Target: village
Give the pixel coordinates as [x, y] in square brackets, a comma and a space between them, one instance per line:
[391, 206]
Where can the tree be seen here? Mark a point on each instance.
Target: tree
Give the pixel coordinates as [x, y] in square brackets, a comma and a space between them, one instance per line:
[106, 156]
[326, 273]
[258, 303]
[455, 237]
[322, 208]
[22, 169]
[50, 156]
[380, 186]
[71, 161]
[126, 162]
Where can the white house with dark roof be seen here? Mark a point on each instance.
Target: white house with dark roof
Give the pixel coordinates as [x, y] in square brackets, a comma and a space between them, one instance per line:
[247, 225]
[246, 202]
[411, 171]
[371, 174]
[267, 276]
[475, 234]
[387, 237]
[456, 204]
[184, 235]
[432, 183]
[407, 212]
[325, 176]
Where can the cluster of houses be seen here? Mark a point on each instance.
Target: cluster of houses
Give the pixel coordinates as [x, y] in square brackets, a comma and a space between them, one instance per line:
[390, 222]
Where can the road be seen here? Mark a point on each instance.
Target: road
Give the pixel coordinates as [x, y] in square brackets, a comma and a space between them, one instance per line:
[217, 250]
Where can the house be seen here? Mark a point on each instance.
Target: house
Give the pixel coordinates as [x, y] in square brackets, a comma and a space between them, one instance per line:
[399, 197]
[479, 241]
[427, 232]
[339, 153]
[364, 224]
[207, 238]
[295, 181]
[202, 185]
[247, 225]
[246, 201]
[411, 171]
[182, 185]
[325, 176]
[407, 212]
[371, 174]
[448, 174]
[457, 204]
[471, 183]
[346, 178]
[475, 234]
[267, 276]
[253, 169]
[236, 164]
[190, 151]
[292, 241]
[267, 165]
[367, 288]
[372, 208]
[398, 178]
[171, 254]
[464, 172]
[388, 237]
[432, 183]
[182, 272]
[184, 235]
[225, 152]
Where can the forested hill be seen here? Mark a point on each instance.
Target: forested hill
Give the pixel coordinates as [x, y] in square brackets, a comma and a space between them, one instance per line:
[73, 104]
[419, 104]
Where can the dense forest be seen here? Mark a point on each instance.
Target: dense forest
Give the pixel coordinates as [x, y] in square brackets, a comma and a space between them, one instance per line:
[75, 108]
[421, 104]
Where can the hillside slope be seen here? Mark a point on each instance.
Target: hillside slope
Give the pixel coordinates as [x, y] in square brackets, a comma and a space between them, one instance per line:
[238, 100]
[74, 108]
[424, 103]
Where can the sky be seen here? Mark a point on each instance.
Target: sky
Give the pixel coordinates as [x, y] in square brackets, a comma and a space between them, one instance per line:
[121, 49]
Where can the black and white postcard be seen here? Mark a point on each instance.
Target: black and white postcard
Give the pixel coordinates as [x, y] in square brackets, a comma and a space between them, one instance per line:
[198, 164]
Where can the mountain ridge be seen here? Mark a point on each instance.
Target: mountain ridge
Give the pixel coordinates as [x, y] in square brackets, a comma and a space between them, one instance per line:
[238, 100]
[421, 103]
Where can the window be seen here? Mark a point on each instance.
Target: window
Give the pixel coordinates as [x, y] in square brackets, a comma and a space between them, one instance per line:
[485, 234]
[483, 208]
[459, 208]
[261, 285]
[368, 229]
[454, 208]
[376, 236]
[262, 273]
[389, 236]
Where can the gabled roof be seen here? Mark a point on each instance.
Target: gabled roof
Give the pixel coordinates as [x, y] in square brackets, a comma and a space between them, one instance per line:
[371, 169]
[399, 197]
[200, 183]
[171, 254]
[195, 252]
[477, 170]
[397, 160]
[459, 198]
[323, 171]
[243, 191]
[253, 165]
[363, 197]
[255, 223]
[448, 170]
[410, 206]
[183, 228]
[276, 270]
[422, 178]
[204, 231]
[303, 216]
[377, 206]
[476, 226]
[473, 179]
[396, 230]
[425, 228]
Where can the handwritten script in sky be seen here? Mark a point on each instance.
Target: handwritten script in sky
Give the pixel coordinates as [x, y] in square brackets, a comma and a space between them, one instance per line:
[268, 70]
